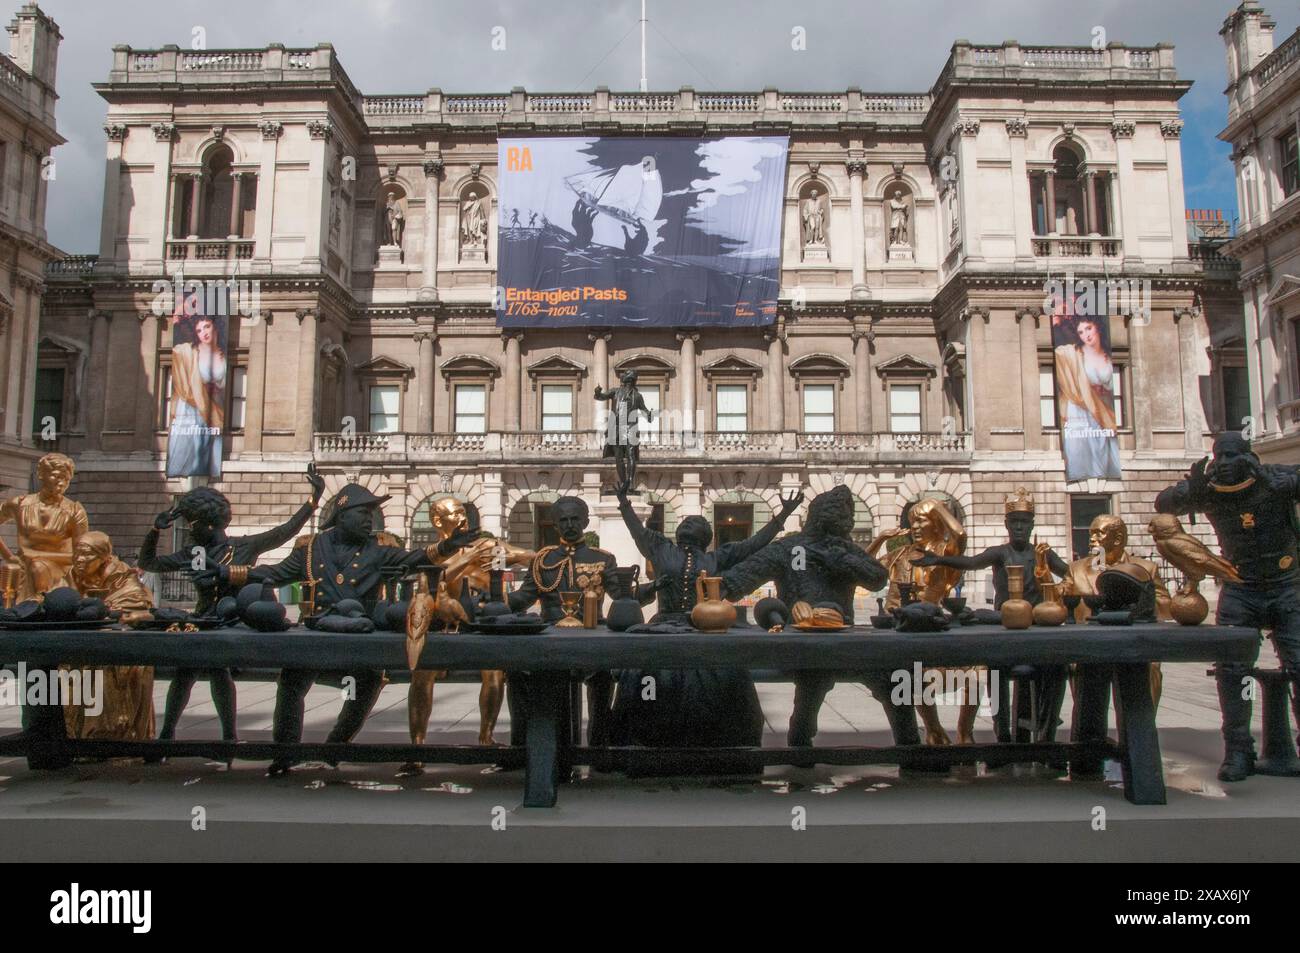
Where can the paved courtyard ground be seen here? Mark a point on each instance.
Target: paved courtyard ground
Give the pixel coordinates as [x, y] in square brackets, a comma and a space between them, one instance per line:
[127, 810]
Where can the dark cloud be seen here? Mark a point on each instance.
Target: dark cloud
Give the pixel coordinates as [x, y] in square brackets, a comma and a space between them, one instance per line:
[404, 46]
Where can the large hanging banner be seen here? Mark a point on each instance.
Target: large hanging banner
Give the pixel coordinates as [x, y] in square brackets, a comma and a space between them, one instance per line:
[620, 232]
[197, 390]
[1085, 389]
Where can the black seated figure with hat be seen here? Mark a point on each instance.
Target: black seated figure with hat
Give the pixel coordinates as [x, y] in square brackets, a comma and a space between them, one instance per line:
[695, 707]
[1252, 507]
[1019, 550]
[343, 561]
[208, 512]
[572, 565]
[822, 566]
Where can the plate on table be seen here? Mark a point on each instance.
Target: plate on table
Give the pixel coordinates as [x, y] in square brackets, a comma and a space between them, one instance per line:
[490, 627]
[72, 625]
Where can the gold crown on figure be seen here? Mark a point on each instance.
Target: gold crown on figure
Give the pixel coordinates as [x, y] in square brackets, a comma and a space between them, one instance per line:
[1021, 501]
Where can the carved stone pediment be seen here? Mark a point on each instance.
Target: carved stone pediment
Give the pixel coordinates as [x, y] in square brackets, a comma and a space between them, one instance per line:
[905, 365]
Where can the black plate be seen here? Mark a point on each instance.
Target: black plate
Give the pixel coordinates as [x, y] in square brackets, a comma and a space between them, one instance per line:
[488, 627]
[72, 625]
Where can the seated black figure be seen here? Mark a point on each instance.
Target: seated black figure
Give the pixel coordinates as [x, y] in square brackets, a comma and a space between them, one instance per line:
[208, 513]
[569, 566]
[695, 707]
[1018, 550]
[822, 564]
[344, 561]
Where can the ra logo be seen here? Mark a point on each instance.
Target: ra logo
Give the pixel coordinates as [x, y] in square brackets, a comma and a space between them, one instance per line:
[519, 159]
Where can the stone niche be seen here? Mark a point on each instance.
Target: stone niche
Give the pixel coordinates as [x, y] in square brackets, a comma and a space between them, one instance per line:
[899, 215]
[814, 222]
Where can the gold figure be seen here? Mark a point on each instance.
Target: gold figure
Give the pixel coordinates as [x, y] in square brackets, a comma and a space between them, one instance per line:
[934, 530]
[1188, 554]
[127, 713]
[48, 525]
[1109, 536]
[470, 564]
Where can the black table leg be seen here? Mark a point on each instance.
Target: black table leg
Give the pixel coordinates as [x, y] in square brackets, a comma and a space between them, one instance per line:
[548, 732]
[1091, 706]
[1144, 779]
[44, 729]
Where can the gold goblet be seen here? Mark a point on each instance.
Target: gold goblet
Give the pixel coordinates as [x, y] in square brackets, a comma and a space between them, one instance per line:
[569, 602]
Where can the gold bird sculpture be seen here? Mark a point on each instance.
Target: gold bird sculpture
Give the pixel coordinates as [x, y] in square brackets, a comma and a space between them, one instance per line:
[448, 610]
[419, 616]
[1188, 554]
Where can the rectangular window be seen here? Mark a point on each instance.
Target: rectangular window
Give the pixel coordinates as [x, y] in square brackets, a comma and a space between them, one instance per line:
[164, 397]
[557, 407]
[49, 399]
[471, 408]
[1047, 397]
[1236, 397]
[819, 408]
[733, 408]
[1083, 510]
[648, 431]
[384, 404]
[905, 408]
[238, 397]
[1117, 390]
[1289, 147]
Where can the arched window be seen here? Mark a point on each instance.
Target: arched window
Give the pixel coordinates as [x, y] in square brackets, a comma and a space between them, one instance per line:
[1071, 197]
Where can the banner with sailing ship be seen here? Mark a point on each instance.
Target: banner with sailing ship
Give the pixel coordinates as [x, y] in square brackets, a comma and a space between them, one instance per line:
[615, 231]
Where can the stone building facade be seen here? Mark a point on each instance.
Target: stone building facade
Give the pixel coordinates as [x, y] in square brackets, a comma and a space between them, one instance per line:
[27, 135]
[902, 369]
[1264, 130]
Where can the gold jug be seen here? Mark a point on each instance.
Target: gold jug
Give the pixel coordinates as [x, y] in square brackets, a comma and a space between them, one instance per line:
[711, 613]
[1016, 612]
[1051, 611]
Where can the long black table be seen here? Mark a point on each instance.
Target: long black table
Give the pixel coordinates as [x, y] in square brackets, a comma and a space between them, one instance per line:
[550, 662]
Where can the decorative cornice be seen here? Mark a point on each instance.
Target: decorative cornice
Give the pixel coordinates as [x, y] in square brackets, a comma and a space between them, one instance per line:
[1123, 128]
[271, 129]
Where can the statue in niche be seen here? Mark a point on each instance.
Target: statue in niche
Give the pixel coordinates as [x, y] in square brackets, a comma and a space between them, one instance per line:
[898, 219]
[394, 222]
[813, 215]
[473, 222]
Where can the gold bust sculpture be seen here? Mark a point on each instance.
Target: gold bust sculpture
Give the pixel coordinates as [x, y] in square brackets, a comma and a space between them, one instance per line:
[127, 713]
[937, 531]
[470, 565]
[48, 525]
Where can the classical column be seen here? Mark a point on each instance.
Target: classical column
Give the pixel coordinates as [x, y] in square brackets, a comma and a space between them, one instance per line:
[857, 169]
[599, 373]
[776, 377]
[97, 378]
[1021, 196]
[196, 199]
[514, 375]
[255, 404]
[271, 132]
[863, 337]
[1137, 380]
[1123, 131]
[163, 133]
[967, 129]
[1050, 178]
[429, 273]
[27, 407]
[1027, 326]
[113, 192]
[1191, 361]
[424, 381]
[318, 193]
[1093, 227]
[688, 340]
[236, 206]
[147, 397]
[1171, 130]
[305, 406]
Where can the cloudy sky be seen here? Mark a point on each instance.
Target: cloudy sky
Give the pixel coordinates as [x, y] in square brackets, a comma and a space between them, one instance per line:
[408, 46]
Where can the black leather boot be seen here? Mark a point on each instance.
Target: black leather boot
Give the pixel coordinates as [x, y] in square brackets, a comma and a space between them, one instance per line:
[1238, 743]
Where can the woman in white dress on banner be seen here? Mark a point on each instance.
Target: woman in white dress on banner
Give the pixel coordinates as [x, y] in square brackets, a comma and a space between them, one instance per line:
[198, 398]
[1085, 393]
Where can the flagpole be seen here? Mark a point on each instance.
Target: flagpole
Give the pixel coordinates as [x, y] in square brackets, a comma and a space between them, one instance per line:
[644, 85]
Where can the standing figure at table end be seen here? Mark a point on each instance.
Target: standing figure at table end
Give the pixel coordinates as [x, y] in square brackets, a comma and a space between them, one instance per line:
[1252, 507]
[49, 524]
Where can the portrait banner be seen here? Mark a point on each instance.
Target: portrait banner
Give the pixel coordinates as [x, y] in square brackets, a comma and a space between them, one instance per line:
[1086, 400]
[631, 232]
[196, 390]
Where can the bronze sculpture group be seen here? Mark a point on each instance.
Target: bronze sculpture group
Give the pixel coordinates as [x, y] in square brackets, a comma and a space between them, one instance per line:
[816, 572]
